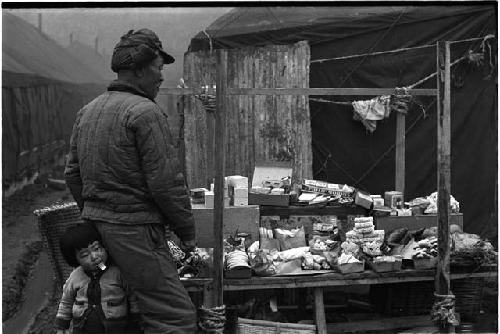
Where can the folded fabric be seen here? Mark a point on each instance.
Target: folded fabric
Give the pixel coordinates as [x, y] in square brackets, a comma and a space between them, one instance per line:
[370, 111]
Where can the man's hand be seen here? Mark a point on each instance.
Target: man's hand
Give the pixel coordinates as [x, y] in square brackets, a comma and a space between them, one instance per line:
[62, 331]
[187, 246]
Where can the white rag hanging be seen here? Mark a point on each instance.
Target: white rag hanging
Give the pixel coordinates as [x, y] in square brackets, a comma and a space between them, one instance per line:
[371, 111]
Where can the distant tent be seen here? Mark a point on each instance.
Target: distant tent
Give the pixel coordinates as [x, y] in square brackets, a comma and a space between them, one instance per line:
[343, 151]
[43, 87]
[98, 62]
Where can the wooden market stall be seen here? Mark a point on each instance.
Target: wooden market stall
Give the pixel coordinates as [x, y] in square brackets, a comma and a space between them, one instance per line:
[217, 284]
[53, 222]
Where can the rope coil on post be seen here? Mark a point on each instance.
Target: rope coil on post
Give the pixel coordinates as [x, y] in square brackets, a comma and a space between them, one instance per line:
[212, 320]
[443, 310]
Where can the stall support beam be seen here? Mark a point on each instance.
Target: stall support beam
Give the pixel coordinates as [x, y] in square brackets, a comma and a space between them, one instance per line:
[442, 282]
[319, 311]
[220, 145]
[400, 151]
[302, 91]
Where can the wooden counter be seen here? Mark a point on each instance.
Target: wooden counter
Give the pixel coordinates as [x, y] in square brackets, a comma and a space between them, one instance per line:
[321, 281]
[331, 279]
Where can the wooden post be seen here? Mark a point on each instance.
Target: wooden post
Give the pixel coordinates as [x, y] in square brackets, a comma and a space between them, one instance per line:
[400, 151]
[319, 311]
[220, 145]
[442, 283]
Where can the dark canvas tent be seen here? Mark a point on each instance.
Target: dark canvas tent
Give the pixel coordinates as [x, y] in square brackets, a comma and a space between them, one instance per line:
[43, 87]
[343, 150]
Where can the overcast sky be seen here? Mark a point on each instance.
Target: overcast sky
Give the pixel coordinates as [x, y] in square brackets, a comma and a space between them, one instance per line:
[174, 25]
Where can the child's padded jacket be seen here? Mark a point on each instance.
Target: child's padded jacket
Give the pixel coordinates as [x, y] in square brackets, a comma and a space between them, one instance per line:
[116, 300]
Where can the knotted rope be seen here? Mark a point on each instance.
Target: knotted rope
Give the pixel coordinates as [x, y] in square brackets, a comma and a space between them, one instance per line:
[443, 310]
[212, 320]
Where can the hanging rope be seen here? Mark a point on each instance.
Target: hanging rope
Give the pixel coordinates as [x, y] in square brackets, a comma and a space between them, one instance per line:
[401, 92]
[329, 101]
[373, 47]
[358, 181]
[212, 320]
[373, 53]
[484, 38]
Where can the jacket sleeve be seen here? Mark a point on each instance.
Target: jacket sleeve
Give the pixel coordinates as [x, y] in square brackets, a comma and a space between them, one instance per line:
[161, 167]
[72, 170]
[65, 310]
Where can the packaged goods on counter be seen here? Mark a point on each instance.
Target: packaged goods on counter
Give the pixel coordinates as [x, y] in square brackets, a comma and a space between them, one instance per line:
[363, 199]
[262, 263]
[386, 263]
[236, 258]
[319, 244]
[347, 258]
[329, 226]
[348, 263]
[197, 263]
[241, 192]
[292, 238]
[428, 204]
[393, 199]
[236, 265]
[432, 207]
[322, 187]
[378, 201]
[267, 179]
[198, 195]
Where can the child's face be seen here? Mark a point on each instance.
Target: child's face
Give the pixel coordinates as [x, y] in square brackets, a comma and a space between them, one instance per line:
[91, 256]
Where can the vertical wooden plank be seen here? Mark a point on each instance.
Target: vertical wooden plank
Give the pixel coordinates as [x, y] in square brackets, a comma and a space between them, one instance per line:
[319, 311]
[400, 152]
[442, 282]
[207, 134]
[208, 295]
[220, 121]
[250, 119]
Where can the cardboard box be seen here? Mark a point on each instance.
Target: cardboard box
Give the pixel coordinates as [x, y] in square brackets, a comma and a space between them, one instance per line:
[390, 223]
[241, 192]
[241, 219]
[393, 198]
[268, 172]
[363, 199]
[240, 201]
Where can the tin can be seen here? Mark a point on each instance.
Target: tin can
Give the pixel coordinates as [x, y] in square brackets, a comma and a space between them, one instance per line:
[394, 199]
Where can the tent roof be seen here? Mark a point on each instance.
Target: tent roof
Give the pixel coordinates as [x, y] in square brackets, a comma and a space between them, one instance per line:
[88, 56]
[257, 26]
[28, 51]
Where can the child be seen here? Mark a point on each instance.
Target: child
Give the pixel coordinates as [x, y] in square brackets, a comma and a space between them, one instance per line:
[95, 296]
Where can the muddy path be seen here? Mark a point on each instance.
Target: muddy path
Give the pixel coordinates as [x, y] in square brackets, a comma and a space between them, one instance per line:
[27, 277]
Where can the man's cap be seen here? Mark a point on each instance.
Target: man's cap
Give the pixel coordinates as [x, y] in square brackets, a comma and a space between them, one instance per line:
[138, 48]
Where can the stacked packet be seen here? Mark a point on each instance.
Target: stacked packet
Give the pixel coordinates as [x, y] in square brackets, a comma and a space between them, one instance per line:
[365, 235]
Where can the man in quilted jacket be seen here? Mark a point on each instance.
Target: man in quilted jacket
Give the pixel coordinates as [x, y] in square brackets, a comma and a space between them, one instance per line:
[124, 173]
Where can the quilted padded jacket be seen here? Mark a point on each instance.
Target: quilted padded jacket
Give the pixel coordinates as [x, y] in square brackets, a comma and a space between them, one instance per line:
[116, 300]
[123, 167]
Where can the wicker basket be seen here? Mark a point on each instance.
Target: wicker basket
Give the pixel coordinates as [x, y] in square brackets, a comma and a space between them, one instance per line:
[406, 298]
[52, 222]
[469, 294]
[248, 326]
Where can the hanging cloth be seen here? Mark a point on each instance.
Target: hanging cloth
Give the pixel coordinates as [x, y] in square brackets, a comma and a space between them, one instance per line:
[369, 112]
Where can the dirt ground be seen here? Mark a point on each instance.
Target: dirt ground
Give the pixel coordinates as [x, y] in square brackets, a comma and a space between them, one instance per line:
[21, 240]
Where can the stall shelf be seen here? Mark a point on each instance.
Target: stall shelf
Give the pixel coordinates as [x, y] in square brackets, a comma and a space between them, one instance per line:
[319, 282]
